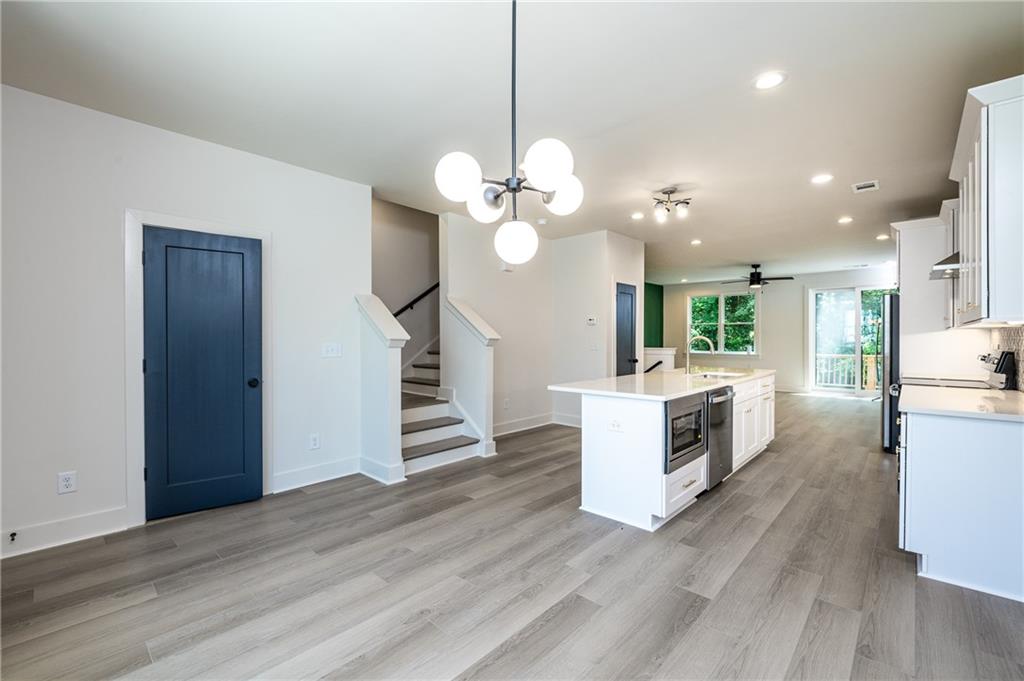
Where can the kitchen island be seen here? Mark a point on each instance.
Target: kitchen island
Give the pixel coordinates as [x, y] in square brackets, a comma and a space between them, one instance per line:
[625, 473]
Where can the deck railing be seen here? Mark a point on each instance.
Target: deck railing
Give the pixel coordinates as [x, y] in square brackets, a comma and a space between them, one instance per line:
[840, 371]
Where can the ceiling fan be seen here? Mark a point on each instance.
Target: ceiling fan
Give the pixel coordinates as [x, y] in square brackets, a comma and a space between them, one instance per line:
[755, 279]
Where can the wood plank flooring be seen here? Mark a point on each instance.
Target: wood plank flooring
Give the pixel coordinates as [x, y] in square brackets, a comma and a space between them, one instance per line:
[486, 569]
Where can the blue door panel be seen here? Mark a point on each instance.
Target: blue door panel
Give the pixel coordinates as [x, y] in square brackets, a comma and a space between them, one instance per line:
[203, 371]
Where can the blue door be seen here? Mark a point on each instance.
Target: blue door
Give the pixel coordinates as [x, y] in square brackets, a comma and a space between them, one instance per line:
[625, 330]
[203, 370]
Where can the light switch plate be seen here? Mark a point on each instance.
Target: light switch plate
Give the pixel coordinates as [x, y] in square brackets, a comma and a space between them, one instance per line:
[330, 350]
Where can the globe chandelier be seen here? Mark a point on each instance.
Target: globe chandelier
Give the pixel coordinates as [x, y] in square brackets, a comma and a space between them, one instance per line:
[548, 170]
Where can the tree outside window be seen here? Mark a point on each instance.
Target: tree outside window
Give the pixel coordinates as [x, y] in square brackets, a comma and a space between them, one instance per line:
[730, 321]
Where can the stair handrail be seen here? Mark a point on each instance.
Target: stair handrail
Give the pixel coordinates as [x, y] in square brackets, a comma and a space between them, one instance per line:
[653, 367]
[408, 306]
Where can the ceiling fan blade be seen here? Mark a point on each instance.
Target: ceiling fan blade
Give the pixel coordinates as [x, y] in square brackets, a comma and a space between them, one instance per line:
[776, 278]
[735, 281]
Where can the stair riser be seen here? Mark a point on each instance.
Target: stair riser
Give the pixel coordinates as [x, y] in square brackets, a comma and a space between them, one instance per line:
[431, 411]
[417, 389]
[420, 372]
[424, 463]
[432, 435]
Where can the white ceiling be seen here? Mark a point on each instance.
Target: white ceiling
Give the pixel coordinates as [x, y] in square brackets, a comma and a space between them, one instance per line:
[645, 94]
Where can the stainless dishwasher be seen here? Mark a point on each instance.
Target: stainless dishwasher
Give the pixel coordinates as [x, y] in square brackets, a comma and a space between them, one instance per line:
[719, 435]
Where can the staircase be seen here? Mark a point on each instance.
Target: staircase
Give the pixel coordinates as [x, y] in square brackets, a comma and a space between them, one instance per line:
[433, 432]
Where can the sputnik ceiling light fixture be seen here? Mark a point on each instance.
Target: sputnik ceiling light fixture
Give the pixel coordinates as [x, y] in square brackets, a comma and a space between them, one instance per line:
[665, 205]
[547, 167]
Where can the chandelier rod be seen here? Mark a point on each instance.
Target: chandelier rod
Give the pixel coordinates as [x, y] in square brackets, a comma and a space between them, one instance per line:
[514, 171]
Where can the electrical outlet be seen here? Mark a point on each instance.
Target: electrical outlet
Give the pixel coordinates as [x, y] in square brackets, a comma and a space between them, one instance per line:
[506, 403]
[314, 441]
[330, 350]
[67, 482]
[615, 426]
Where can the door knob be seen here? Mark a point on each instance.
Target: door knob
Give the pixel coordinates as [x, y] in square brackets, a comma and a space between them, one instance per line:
[253, 382]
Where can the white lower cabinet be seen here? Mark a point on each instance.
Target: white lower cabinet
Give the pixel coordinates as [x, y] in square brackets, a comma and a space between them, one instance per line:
[753, 423]
[683, 485]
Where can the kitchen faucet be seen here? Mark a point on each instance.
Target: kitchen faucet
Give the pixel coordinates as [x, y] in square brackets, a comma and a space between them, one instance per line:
[711, 347]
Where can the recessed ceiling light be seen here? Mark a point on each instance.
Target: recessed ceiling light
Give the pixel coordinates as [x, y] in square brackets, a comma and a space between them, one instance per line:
[696, 242]
[683, 281]
[769, 79]
[845, 220]
[637, 216]
[821, 178]
[882, 237]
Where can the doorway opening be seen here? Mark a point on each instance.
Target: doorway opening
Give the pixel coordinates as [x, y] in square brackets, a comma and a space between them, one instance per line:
[847, 339]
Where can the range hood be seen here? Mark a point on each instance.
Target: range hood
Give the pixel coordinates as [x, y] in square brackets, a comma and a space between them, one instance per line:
[947, 268]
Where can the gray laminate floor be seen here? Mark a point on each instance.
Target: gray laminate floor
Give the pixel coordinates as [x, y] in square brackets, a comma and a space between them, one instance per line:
[487, 569]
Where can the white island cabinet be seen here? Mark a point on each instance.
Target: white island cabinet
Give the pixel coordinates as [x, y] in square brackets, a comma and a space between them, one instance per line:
[961, 486]
[624, 440]
[753, 418]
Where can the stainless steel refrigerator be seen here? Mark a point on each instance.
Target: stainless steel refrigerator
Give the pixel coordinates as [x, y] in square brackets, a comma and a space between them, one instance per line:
[890, 372]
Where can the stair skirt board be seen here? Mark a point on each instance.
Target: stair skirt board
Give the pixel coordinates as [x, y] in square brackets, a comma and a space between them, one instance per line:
[425, 463]
[422, 437]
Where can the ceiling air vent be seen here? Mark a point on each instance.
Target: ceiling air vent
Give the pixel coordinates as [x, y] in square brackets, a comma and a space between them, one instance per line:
[861, 187]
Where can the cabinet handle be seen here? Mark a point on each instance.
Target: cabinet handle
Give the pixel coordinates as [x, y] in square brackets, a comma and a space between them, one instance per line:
[691, 483]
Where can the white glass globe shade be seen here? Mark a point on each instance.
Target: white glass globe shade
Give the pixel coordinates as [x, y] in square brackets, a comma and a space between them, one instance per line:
[547, 163]
[567, 198]
[515, 242]
[682, 210]
[482, 210]
[660, 213]
[457, 174]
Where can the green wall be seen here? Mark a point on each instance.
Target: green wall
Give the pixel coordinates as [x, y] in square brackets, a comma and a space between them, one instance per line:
[654, 311]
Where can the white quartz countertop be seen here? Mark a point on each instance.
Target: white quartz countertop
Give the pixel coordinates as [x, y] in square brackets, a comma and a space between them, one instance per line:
[1001, 405]
[661, 386]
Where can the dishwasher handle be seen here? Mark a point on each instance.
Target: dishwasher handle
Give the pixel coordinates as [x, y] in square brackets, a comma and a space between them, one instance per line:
[723, 397]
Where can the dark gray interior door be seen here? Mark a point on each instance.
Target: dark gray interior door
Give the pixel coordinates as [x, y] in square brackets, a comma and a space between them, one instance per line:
[625, 329]
[203, 370]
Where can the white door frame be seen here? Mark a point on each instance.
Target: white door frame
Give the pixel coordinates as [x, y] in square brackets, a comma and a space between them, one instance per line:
[134, 382]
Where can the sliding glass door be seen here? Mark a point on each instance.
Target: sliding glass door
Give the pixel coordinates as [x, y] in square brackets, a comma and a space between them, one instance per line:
[847, 338]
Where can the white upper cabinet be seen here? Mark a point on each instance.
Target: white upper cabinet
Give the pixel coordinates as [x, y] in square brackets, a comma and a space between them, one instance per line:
[988, 164]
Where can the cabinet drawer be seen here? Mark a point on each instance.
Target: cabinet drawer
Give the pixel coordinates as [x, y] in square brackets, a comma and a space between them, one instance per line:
[683, 485]
[744, 390]
[766, 384]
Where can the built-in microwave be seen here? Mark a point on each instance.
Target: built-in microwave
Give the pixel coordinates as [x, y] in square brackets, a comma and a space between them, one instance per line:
[684, 431]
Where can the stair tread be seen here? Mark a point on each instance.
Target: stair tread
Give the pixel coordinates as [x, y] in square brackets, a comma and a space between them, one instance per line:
[416, 451]
[433, 352]
[422, 381]
[414, 401]
[427, 365]
[430, 424]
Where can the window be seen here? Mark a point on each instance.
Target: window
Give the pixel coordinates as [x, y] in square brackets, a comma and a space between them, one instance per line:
[729, 321]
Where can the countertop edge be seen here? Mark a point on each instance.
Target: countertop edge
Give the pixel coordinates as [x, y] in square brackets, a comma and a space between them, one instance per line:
[735, 380]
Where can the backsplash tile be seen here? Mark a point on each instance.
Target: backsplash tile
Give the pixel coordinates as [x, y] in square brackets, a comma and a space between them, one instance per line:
[1011, 338]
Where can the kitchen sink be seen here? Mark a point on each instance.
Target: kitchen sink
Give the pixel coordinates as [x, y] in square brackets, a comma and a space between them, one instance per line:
[720, 374]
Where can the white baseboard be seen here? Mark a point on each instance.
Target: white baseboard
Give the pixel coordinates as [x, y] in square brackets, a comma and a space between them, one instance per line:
[389, 474]
[300, 477]
[516, 425]
[574, 420]
[64, 531]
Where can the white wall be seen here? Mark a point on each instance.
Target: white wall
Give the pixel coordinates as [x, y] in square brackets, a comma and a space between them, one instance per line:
[516, 304]
[586, 269]
[540, 310]
[783, 321]
[405, 263]
[69, 175]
